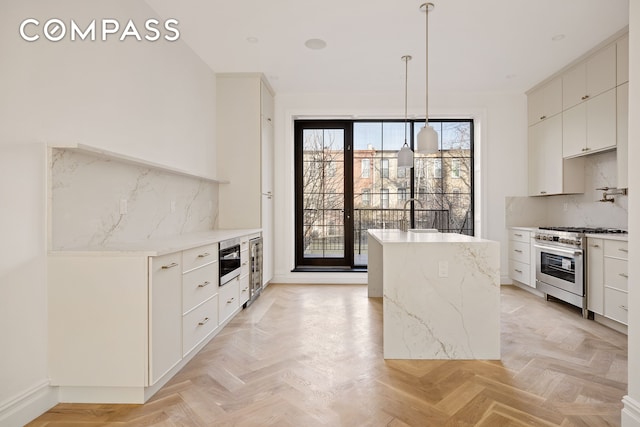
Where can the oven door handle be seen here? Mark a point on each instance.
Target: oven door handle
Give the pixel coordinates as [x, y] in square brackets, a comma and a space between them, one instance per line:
[566, 251]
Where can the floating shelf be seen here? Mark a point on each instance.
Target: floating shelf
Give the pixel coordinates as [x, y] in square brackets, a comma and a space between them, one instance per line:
[106, 154]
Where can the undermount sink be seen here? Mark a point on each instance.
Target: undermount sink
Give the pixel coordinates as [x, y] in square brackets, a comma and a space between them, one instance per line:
[424, 230]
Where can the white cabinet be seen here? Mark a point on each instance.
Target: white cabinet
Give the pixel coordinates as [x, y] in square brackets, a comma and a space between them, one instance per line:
[244, 131]
[549, 173]
[165, 314]
[545, 101]
[520, 267]
[590, 126]
[622, 59]
[607, 279]
[591, 77]
[616, 286]
[199, 295]
[595, 275]
[228, 302]
[244, 271]
[622, 152]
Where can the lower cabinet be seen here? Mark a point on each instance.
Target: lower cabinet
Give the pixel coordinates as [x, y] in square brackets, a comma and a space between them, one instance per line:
[607, 280]
[521, 269]
[122, 324]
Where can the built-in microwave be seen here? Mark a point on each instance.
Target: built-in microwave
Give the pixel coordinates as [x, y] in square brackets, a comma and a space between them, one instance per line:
[229, 260]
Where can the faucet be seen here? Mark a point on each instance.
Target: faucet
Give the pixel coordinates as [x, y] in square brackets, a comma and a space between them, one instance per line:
[404, 221]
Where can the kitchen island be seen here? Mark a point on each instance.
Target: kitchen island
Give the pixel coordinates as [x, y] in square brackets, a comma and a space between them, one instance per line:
[440, 293]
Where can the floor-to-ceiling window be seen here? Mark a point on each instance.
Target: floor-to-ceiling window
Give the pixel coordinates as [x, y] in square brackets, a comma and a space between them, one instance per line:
[347, 181]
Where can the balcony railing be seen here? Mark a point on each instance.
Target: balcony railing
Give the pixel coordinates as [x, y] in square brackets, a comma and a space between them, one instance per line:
[328, 239]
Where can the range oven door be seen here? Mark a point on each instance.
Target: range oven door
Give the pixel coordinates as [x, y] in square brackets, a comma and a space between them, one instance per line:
[560, 267]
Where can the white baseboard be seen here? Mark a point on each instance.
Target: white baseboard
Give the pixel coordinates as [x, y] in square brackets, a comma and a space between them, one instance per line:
[29, 405]
[630, 412]
[319, 278]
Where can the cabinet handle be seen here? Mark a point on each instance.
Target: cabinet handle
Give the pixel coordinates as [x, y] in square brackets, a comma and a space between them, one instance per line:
[269, 194]
[202, 285]
[518, 271]
[543, 192]
[204, 255]
[203, 321]
[543, 117]
[623, 250]
[173, 264]
[517, 250]
[595, 246]
[585, 97]
[229, 301]
[586, 149]
[517, 235]
[625, 275]
[624, 307]
[245, 289]
[244, 243]
[244, 263]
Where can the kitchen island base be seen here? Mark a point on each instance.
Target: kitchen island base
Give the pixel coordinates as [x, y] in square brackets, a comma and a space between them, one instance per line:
[441, 294]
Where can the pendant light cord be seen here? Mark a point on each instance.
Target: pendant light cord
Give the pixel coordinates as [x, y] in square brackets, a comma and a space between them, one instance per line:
[426, 71]
[406, 59]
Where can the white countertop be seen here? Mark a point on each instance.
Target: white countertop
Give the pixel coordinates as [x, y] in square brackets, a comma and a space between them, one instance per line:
[607, 236]
[397, 236]
[155, 247]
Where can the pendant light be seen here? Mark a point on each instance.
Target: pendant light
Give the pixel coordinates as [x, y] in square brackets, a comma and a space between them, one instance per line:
[427, 137]
[405, 155]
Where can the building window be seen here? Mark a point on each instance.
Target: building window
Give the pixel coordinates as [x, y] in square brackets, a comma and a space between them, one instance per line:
[436, 168]
[402, 172]
[384, 168]
[402, 194]
[384, 196]
[455, 169]
[366, 197]
[365, 167]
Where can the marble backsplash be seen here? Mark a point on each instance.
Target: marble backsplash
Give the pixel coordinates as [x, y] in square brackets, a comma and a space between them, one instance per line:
[97, 201]
[580, 210]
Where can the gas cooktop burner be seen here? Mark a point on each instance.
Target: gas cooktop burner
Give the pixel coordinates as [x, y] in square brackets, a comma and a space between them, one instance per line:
[586, 230]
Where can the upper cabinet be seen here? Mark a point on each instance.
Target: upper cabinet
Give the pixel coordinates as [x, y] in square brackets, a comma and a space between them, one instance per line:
[590, 78]
[622, 52]
[545, 102]
[580, 111]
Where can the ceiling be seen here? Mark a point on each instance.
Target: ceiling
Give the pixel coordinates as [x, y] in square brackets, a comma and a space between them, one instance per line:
[474, 46]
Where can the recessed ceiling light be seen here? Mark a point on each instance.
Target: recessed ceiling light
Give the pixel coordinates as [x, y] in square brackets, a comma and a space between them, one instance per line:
[558, 37]
[315, 44]
[252, 39]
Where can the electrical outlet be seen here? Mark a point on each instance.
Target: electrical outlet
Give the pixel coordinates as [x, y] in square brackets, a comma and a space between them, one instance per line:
[443, 269]
[123, 206]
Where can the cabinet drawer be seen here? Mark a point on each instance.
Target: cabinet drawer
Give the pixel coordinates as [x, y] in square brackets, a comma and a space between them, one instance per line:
[196, 257]
[228, 299]
[244, 289]
[198, 324]
[615, 273]
[520, 271]
[616, 249]
[244, 263]
[199, 285]
[616, 305]
[520, 236]
[519, 251]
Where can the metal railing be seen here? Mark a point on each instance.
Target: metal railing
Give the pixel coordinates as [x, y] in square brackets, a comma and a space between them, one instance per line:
[328, 238]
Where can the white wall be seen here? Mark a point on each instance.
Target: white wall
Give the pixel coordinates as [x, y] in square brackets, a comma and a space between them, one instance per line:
[501, 158]
[154, 101]
[631, 412]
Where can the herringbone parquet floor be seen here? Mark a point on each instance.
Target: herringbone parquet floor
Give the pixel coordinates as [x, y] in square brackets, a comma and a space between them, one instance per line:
[311, 355]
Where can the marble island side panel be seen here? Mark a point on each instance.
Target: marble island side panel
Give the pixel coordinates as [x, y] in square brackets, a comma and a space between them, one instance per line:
[441, 295]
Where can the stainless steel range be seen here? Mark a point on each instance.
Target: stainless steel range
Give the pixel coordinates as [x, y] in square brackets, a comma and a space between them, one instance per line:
[561, 262]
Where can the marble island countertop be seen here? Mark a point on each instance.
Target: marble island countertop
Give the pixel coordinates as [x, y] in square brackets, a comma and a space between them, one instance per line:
[159, 246]
[397, 236]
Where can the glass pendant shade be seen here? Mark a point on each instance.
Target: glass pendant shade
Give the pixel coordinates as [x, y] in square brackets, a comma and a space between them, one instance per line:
[405, 157]
[427, 140]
